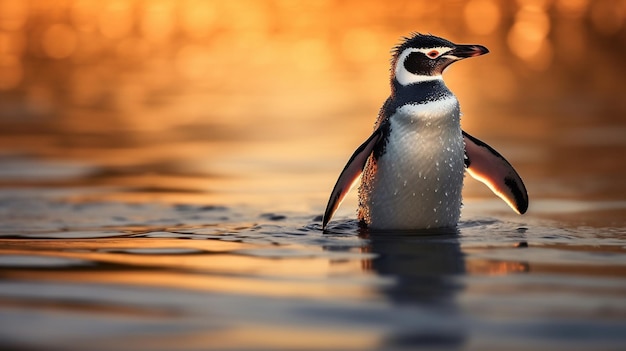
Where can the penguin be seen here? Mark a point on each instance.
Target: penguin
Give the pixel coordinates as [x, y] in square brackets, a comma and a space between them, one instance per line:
[413, 165]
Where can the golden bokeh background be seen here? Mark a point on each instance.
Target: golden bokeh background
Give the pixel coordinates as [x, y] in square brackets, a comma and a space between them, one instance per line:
[217, 129]
[245, 101]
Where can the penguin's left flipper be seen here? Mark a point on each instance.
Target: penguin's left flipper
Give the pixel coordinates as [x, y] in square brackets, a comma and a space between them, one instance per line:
[488, 166]
[350, 173]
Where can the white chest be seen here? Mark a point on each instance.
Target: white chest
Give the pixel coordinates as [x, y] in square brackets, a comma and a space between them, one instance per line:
[417, 182]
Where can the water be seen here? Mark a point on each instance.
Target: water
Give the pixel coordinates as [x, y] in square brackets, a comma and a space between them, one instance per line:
[110, 275]
[164, 166]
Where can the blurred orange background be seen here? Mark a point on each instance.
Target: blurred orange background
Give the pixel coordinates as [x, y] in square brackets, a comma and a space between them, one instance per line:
[264, 101]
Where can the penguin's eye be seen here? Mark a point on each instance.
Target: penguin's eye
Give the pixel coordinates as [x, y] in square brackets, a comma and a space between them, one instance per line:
[433, 54]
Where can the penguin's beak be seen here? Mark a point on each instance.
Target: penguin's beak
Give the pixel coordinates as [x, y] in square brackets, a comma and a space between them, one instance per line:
[465, 51]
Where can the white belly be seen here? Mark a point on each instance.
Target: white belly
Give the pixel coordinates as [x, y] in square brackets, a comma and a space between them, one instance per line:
[417, 182]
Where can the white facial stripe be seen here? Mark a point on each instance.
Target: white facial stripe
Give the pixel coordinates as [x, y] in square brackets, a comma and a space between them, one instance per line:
[405, 77]
[441, 49]
[451, 57]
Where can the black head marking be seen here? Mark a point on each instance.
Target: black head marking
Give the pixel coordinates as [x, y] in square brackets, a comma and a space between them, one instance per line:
[418, 62]
[424, 57]
[419, 41]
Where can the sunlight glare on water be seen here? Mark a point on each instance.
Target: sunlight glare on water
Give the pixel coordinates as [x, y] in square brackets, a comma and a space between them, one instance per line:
[164, 166]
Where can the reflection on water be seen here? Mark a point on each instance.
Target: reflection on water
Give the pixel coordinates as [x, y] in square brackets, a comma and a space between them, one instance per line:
[423, 266]
[163, 166]
[426, 270]
[196, 277]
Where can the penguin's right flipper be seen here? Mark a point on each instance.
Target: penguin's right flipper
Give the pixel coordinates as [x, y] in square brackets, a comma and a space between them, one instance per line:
[350, 173]
[488, 166]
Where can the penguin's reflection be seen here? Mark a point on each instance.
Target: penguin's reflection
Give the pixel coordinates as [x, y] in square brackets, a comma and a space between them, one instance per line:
[427, 271]
[425, 268]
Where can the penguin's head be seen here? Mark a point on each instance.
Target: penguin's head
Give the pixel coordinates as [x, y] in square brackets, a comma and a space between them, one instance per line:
[424, 57]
